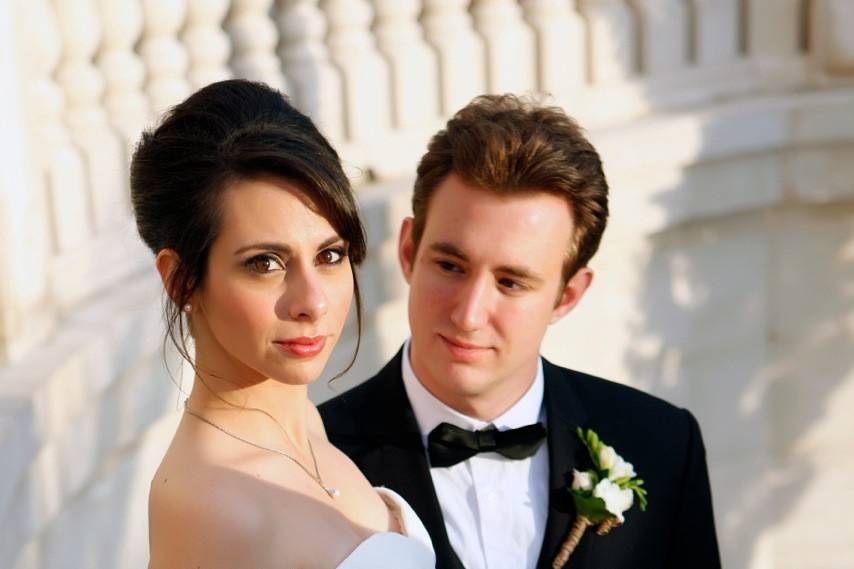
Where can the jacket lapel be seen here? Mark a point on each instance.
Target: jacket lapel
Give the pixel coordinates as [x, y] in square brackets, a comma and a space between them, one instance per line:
[564, 414]
[399, 460]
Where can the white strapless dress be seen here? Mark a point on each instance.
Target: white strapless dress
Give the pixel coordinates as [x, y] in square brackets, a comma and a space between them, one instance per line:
[388, 550]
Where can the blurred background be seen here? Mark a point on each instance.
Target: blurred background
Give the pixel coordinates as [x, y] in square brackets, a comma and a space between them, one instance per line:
[725, 282]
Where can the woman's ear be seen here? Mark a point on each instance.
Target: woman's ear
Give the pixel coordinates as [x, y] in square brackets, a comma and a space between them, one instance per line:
[167, 262]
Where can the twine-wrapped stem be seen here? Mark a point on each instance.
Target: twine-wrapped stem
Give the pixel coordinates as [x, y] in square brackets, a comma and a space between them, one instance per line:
[571, 542]
[607, 526]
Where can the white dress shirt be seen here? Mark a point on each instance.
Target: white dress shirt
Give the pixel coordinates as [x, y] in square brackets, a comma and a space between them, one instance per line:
[494, 507]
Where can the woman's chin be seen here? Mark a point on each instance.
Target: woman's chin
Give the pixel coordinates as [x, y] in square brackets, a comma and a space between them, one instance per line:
[300, 372]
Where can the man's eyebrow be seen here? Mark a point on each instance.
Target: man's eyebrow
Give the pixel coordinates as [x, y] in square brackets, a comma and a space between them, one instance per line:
[448, 249]
[518, 272]
[283, 248]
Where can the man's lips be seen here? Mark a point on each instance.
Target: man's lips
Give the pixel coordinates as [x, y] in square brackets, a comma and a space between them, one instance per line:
[304, 346]
[462, 350]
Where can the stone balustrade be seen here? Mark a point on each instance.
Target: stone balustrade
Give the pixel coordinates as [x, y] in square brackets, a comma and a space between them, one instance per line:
[711, 115]
[378, 75]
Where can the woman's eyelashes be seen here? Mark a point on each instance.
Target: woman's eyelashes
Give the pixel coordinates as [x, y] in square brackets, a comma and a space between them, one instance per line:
[266, 263]
[332, 255]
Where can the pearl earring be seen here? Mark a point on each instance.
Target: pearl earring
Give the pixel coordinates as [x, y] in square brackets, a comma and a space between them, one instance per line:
[188, 308]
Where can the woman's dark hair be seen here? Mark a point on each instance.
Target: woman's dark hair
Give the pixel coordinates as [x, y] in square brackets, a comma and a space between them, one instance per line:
[226, 132]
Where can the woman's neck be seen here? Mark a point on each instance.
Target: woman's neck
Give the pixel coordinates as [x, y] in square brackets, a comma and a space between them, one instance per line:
[259, 408]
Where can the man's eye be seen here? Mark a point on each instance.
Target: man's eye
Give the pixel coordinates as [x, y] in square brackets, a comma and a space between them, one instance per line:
[510, 284]
[333, 256]
[448, 266]
[264, 264]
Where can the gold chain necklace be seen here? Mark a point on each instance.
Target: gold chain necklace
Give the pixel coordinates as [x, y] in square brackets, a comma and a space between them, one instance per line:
[330, 491]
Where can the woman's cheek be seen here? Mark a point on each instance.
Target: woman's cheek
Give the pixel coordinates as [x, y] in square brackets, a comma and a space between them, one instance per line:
[250, 311]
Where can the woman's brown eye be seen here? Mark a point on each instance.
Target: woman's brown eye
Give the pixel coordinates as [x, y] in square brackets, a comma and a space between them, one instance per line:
[331, 256]
[261, 264]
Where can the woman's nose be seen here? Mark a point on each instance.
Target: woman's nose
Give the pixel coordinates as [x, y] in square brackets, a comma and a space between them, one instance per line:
[307, 297]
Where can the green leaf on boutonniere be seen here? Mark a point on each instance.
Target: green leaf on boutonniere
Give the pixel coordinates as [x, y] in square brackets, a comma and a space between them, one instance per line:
[591, 508]
[593, 444]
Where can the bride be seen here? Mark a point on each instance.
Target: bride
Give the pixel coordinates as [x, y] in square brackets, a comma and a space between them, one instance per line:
[256, 236]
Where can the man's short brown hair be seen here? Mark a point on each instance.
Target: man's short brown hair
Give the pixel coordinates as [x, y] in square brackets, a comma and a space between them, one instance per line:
[508, 145]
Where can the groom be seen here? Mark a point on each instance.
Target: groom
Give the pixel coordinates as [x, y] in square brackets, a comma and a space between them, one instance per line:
[468, 422]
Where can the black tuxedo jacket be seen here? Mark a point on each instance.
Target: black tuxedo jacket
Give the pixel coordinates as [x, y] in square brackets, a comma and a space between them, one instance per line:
[374, 425]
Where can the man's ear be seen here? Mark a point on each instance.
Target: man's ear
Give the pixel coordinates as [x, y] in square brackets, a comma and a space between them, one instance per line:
[406, 248]
[572, 292]
[167, 262]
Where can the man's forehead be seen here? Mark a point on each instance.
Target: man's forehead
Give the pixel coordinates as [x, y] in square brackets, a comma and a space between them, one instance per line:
[459, 212]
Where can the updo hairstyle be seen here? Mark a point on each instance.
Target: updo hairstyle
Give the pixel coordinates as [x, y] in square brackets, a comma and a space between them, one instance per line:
[226, 132]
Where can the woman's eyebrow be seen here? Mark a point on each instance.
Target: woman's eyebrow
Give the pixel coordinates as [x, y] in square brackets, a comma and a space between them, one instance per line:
[277, 247]
[330, 241]
[283, 248]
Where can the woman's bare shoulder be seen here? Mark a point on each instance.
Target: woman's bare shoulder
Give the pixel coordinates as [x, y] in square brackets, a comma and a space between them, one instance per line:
[201, 512]
[203, 517]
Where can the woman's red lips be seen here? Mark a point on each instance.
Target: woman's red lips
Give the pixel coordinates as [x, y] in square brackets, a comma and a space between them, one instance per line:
[304, 346]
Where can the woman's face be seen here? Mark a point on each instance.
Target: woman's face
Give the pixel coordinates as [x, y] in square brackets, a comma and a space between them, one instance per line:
[278, 287]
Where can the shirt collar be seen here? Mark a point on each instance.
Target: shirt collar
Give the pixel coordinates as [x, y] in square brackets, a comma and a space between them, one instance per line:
[429, 411]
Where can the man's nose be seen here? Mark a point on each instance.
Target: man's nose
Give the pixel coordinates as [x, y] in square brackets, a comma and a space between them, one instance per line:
[471, 310]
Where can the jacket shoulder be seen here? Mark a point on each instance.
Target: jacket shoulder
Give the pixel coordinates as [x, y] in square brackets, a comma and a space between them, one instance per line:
[365, 407]
[625, 412]
[354, 401]
[599, 392]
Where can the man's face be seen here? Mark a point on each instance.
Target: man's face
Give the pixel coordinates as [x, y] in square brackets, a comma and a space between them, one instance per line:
[485, 283]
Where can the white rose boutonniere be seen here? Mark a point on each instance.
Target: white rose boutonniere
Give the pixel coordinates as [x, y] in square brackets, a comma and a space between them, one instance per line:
[601, 495]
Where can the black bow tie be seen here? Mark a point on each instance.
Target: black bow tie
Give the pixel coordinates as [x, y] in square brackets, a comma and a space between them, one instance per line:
[447, 444]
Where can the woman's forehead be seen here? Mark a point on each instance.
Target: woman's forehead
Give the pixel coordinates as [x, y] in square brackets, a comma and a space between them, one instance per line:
[271, 210]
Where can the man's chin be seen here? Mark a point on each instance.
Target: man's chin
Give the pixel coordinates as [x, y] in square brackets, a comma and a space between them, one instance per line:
[464, 379]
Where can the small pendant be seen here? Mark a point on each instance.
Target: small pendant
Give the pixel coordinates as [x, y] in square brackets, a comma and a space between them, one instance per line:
[333, 492]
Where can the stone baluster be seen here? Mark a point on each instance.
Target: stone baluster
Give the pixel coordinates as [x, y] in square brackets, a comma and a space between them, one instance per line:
[560, 45]
[448, 28]
[43, 181]
[315, 85]
[123, 69]
[104, 153]
[254, 37]
[716, 23]
[664, 27]
[611, 32]
[412, 64]
[57, 164]
[831, 37]
[207, 44]
[774, 28]
[165, 57]
[363, 70]
[509, 42]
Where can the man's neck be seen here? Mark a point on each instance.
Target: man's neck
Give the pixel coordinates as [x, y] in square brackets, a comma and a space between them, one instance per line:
[483, 408]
